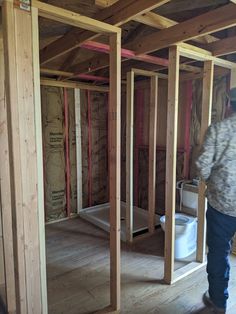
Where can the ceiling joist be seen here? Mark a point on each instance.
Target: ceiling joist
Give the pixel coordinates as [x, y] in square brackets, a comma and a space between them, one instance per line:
[212, 21]
[117, 14]
[223, 47]
[161, 22]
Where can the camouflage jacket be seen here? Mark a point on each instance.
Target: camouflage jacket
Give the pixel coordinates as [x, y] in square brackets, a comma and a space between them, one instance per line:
[217, 165]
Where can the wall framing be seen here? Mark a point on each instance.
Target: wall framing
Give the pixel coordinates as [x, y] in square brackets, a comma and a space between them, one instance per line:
[175, 52]
[32, 291]
[152, 149]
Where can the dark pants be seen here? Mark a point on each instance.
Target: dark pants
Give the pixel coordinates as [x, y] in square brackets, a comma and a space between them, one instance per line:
[220, 230]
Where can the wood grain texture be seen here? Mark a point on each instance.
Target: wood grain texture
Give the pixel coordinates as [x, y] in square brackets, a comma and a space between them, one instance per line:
[207, 91]
[114, 167]
[129, 154]
[171, 153]
[152, 153]
[78, 274]
[221, 18]
[6, 235]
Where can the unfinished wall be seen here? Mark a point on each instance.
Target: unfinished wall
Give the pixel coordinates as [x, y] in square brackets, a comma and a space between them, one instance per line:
[54, 155]
[218, 113]
[141, 142]
[94, 132]
[53, 124]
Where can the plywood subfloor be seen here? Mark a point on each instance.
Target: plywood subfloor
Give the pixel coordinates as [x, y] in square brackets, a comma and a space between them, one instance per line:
[78, 274]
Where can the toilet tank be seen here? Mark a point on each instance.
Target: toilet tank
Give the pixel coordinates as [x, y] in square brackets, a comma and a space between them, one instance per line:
[189, 199]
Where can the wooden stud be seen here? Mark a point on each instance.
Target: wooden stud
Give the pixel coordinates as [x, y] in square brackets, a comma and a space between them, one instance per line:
[5, 195]
[20, 101]
[39, 150]
[114, 169]
[207, 91]
[171, 155]
[78, 150]
[129, 154]
[152, 154]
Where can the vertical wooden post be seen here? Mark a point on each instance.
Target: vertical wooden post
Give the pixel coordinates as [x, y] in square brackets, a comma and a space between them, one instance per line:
[39, 149]
[114, 161]
[129, 154]
[5, 189]
[207, 90]
[22, 141]
[67, 151]
[90, 179]
[78, 150]
[152, 154]
[171, 154]
[188, 112]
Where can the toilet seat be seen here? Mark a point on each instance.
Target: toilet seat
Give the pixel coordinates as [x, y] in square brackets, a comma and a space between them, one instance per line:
[180, 219]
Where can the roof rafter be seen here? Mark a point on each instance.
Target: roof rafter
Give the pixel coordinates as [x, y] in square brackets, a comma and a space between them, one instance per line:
[212, 21]
[223, 47]
[117, 14]
[161, 22]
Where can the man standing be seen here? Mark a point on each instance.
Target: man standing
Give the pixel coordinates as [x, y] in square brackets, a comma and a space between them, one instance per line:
[217, 166]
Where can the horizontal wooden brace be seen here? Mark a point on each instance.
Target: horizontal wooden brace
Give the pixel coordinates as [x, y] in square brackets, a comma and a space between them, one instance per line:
[49, 82]
[74, 19]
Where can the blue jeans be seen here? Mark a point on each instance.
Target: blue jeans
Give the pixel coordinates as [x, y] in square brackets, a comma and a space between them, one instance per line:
[220, 230]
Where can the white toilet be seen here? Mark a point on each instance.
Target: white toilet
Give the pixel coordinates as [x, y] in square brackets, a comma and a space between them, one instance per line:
[185, 224]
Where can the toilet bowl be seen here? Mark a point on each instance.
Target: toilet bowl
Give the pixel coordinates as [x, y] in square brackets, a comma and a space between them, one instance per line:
[185, 234]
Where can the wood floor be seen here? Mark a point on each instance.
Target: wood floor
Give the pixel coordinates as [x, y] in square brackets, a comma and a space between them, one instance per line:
[78, 274]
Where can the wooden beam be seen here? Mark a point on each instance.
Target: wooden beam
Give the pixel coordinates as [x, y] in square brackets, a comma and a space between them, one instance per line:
[71, 18]
[101, 62]
[6, 206]
[186, 270]
[55, 72]
[218, 72]
[149, 73]
[171, 155]
[223, 47]
[212, 21]
[114, 167]
[39, 152]
[117, 14]
[152, 154]
[129, 154]
[207, 91]
[71, 84]
[78, 150]
[161, 22]
[105, 3]
[196, 55]
[22, 141]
